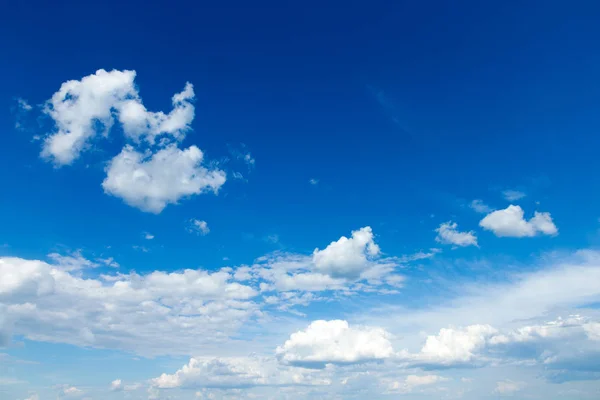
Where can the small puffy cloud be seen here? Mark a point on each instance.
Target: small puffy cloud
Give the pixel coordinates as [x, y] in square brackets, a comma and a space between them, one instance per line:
[447, 233]
[508, 387]
[480, 207]
[348, 266]
[347, 257]
[148, 236]
[313, 181]
[237, 372]
[72, 391]
[513, 195]
[199, 227]
[335, 341]
[510, 222]
[151, 181]
[116, 385]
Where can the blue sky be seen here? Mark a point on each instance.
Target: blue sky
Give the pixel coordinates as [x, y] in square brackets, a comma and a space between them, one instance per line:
[299, 200]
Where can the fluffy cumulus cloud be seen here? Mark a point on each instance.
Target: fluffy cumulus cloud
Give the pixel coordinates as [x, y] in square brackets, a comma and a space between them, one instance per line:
[151, 181]
[333, 342]
[347, 266]
[511, 222]
[347, 257]
[80, 108]
[118, 386]
[448, 233]
[452, 346]
[151, 171]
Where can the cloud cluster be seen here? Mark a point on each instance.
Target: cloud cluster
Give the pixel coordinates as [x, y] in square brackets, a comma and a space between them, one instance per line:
[237, 372]
[510, 222]
[348, 265]
[157, 313]
[149, 176]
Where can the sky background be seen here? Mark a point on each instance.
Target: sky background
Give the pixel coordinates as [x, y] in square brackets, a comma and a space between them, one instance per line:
[454, 146]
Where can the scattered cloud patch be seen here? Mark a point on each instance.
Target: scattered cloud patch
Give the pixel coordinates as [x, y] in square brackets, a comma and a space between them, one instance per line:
[148, 236]
[510, 222]
[513, 195]
[480, 207]
[508, 387]
[313, 181]
[72, 262]
[447, 233]
[198, 227]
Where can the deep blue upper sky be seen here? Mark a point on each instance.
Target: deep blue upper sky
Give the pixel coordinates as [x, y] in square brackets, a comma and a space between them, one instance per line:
[400, 109]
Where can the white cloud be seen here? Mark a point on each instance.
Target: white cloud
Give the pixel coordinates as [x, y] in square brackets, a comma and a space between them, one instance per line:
[347, 266]
[156, 313]
[109, 262]
[347, 257]
[33, 396]
[452, 346]
[198, 226]
[335, 342]
[508, 387]
[148, 236]
[151, 181]
[79, 106]
[480, 207]
[513, 195]
[117, 386]
[72, 391]
[73, 262]
[237, 372]
[313, 181]
[510, 222]
[139, 123]
[447, 233]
